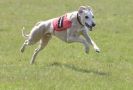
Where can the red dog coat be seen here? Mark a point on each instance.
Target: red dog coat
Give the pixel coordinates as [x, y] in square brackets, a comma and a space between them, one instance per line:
[62, 23]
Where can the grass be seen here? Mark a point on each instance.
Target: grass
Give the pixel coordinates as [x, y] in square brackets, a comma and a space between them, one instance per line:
[64, 66]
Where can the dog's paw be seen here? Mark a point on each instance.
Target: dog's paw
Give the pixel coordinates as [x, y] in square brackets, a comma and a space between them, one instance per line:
[98, 50]
[86, 50]
[22, 50]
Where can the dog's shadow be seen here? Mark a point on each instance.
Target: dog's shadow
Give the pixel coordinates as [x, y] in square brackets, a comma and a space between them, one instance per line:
[77, 69]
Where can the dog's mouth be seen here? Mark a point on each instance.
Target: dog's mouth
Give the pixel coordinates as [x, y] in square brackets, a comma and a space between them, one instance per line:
[88, 26]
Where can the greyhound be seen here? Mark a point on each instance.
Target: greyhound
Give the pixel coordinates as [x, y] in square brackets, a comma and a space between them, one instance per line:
[71, 27]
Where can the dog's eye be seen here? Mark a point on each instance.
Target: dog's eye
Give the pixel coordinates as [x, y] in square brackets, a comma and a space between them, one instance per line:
[92, 16]
[86, 17]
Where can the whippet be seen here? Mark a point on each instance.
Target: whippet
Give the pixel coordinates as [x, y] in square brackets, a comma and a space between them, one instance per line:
[71, 27]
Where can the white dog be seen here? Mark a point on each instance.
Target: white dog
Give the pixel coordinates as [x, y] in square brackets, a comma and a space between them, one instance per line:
[71, 27]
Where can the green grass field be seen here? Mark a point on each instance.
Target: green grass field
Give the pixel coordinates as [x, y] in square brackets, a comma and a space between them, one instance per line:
[62, 66]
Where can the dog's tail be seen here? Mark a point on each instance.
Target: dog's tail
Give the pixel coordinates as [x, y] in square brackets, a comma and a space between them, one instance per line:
[24, 34]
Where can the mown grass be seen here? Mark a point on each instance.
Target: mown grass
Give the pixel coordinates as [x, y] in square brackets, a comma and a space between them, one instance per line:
[64, 66]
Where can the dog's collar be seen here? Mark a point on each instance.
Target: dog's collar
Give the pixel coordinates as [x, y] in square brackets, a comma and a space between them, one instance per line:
[79, 20]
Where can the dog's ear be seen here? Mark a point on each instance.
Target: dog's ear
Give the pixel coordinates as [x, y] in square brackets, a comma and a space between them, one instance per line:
[81, 8]
[89, 8]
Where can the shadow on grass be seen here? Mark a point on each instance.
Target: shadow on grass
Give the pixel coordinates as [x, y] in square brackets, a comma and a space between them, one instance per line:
[77, 69]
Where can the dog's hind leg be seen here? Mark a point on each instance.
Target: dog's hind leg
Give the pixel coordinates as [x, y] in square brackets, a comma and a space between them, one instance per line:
[43, 42]
[33, 37]
[23, 46]
[26, 43]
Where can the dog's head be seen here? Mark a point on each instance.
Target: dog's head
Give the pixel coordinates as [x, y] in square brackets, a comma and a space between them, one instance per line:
[86, 16]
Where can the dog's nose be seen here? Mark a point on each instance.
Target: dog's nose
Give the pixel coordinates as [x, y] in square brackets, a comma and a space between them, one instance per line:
[93, 24]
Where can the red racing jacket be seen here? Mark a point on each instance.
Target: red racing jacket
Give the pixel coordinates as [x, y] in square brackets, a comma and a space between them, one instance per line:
[62, 23]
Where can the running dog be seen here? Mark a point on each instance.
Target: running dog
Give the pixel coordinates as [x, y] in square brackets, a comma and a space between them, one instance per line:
[71, 27]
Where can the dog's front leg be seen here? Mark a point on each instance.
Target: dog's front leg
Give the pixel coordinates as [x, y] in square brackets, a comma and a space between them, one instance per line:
[89, 40]
[80, 40]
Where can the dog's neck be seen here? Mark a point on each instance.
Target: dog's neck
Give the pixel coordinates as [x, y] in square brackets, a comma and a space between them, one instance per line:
[79, 20]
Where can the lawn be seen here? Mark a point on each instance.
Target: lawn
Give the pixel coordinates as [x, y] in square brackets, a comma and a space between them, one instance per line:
[62, 66]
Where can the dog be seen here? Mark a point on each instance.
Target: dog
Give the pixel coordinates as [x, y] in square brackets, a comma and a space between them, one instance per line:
[71, 27]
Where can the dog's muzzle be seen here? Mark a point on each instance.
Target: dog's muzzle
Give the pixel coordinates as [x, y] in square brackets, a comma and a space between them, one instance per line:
[90, 27]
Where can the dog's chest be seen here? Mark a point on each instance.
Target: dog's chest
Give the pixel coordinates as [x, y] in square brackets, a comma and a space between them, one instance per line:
[62, 23]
